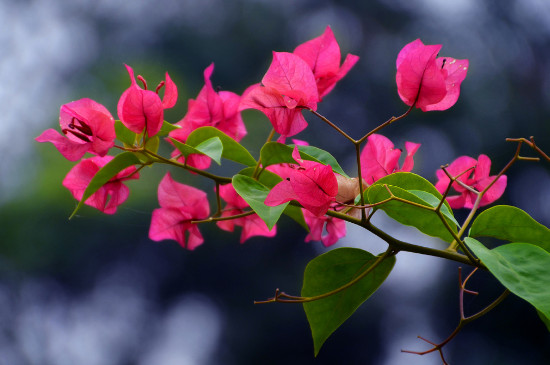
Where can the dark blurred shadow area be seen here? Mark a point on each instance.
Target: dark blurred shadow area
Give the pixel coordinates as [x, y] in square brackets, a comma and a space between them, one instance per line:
[95, 290]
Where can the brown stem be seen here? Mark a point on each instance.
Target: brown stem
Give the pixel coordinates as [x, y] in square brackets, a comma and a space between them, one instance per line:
[217, 219]
[463, 319]
[386, 123]
[333, 126]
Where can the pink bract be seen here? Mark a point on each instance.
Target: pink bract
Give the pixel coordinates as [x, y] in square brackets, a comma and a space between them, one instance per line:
[310, 183]
[287, 87]
[323, 56]
[380, 158]
[108, 197]
[179, 205]
[477, 177]
[335, 228]
[88, 127]
[141, 109]
[252, 225]
[210, 108]
[428, 82]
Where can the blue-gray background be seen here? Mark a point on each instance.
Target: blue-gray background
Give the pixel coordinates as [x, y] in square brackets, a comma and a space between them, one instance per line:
[96, 290]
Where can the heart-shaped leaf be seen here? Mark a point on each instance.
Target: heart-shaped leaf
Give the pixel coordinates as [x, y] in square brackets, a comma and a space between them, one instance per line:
[510, 224]
[212, 148]
[523, 268]
[232, 150]
[255, 193]
[426, 221]
[331, 271]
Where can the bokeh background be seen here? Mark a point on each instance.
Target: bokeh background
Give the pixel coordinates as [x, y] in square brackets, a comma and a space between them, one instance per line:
[96, 291]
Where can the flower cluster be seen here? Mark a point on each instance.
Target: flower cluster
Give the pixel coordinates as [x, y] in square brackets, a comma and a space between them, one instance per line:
[294, 82]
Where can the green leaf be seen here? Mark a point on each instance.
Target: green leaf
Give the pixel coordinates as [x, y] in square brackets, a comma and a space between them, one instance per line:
[523, 268]
[152, 144]
[267, 178]
[123, 134]
[270, 179]
[331, 271]
[255, 194]
[167, 128]
[434, 202]
[106, 173]
[510, 224]
[212, 148]
[274, 153]
[232, 150]
[410, 181]
[426, 221]
[323, 157]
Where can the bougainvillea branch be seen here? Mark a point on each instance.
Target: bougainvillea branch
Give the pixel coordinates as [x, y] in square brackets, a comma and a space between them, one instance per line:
[306, 183]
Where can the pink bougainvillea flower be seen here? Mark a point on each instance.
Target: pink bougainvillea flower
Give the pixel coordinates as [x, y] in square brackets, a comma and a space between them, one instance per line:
[379, 158]
[252, 225]
[141, 109]
[218, 109]
[212, 108]
[322, 54]
[109, 196]
[335, 228]
[477, 178]
[310, 183]
[88, 127]
[179, 205]
[287, 87]
[426, 81]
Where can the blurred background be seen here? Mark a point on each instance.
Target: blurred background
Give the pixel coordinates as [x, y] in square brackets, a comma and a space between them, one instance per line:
[96, 290]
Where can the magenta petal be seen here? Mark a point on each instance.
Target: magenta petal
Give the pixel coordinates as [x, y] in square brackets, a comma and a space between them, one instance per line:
[170, 93]
[166, 224]
[255, 226]
[494, 192]
[228, 225]
[418, 77]
[311, 195]
[118, 193]
[140, 109]
[457, 201]
[72, 151]
[457, 70]
[95, 116]
[322, 54]
[483, 167]
[289, 72]
[195, 238]
[325, 85]
[336, 229]
[411, 149]
[315, 225]
[231, 197]
[152, 111]
[407, 50]
[379, 158]
[280, 194]
[173, 194]
[79, 177]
